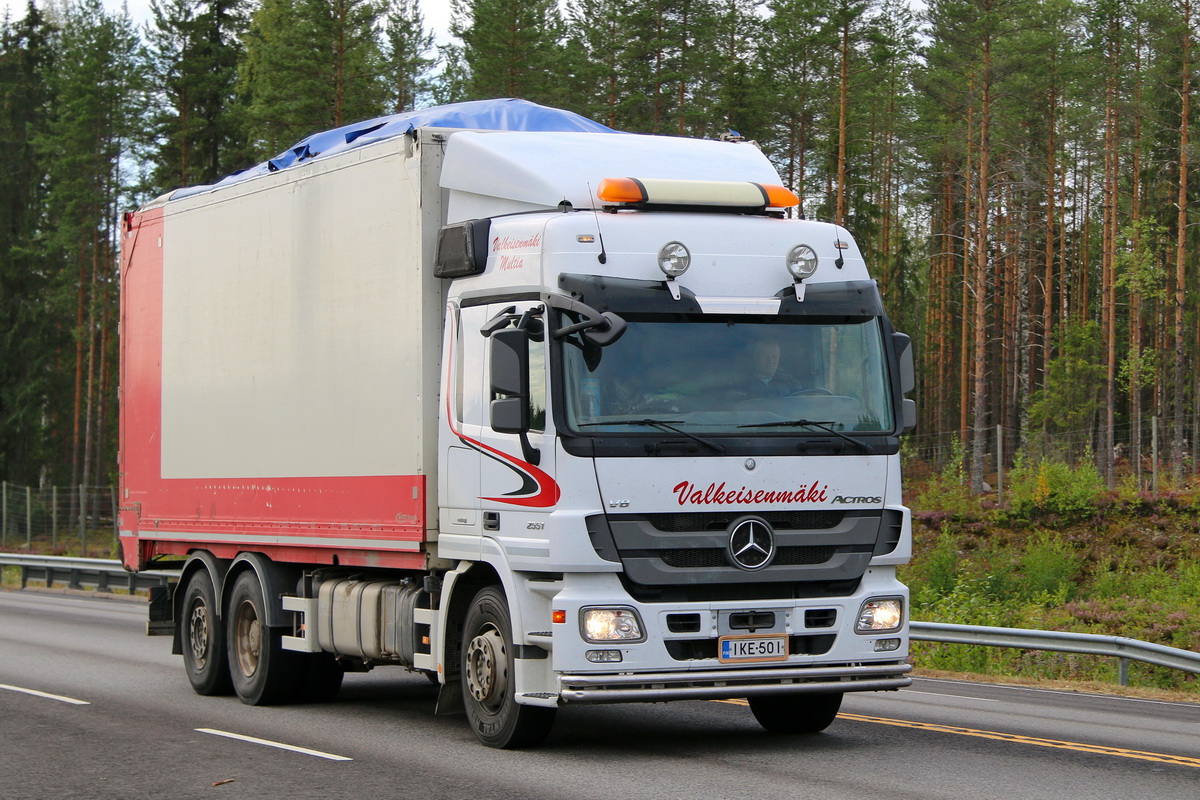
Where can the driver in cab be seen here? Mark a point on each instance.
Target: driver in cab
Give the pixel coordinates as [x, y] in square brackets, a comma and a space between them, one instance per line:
[765, 379]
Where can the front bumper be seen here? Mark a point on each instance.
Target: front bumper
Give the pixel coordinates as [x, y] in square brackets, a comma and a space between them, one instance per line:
[725, 684]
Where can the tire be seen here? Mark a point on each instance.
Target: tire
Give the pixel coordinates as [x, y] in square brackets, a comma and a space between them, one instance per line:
[263, 672]
[322, 678]
[796, 713]
[202, 637]
[488, 670]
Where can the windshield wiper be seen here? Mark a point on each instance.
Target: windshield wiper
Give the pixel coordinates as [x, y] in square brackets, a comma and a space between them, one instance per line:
[661, 424]
[824, 425]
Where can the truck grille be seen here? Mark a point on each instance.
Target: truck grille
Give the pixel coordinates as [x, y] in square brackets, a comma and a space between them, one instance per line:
[683, 557]
[780, 520]
[708, 558]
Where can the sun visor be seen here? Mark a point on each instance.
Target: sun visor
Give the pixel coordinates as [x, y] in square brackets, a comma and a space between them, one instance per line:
[505, 172]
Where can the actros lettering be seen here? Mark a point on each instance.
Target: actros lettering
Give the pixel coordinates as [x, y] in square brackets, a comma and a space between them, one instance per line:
[844, 500]
[717, 495]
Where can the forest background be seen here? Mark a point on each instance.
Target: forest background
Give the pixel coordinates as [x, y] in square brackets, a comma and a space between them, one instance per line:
[1017, 172]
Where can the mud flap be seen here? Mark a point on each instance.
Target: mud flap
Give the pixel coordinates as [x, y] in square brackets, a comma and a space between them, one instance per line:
[450, 701]
[161, 619]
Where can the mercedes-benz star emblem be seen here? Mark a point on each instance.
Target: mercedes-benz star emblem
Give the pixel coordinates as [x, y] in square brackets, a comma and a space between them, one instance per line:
[751, 543]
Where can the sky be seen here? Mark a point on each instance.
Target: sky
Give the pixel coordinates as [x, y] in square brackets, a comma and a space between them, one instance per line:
[436, 12]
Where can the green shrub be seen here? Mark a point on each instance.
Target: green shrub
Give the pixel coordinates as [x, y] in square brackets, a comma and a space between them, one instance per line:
[949, 491]
[1053, 487]
[1049, 569]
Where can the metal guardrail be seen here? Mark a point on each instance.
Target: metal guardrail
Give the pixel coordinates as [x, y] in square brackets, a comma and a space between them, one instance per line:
[1119, 647]
[101, 574]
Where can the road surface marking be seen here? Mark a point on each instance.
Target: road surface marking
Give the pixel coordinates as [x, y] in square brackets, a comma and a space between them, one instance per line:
[269, 743]
[943, 694]
[1164, 758]
[1183, 761]
[1063, 692]
[36, 693]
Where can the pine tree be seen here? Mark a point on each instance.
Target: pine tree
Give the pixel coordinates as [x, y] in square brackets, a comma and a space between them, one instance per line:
[596, 29]
[736, 77]
[511, 48]
[408, 55]
[195, 50]
[798, 80]
[99, 86]
[25, 323]
[310, 65]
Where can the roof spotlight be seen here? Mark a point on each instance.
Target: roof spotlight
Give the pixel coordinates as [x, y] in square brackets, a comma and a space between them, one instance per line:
[801, 261]
[674, 259]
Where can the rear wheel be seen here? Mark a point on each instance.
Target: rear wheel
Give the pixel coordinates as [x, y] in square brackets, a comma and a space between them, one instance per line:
[263, 672]
[203, 638]
[796, 713]
[488, 669]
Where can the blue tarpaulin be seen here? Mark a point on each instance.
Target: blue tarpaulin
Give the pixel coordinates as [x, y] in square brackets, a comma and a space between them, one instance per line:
[509, 114]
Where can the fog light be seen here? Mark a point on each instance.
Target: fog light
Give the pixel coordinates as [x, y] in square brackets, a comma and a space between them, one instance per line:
[886, 645]
[880, 615]
[604, 656]
[611, 624]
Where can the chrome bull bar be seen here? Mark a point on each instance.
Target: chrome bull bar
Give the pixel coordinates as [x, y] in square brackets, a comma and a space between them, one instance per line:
[727, 684]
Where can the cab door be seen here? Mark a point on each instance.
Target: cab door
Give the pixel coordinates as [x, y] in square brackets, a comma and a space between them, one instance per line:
[518, 490]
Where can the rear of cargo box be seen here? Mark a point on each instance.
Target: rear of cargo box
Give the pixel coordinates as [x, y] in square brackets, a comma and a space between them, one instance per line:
[280, 357]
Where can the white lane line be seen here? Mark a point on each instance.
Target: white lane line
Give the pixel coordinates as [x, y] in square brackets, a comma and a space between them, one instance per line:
[957, 696]
[269, 743]
[48, 696]
[1063, 692]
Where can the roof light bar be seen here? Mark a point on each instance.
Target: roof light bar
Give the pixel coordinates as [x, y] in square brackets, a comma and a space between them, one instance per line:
[667, 192]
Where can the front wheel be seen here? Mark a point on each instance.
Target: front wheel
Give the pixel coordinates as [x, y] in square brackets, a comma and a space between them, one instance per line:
[796, 713]
[488, 671]
[263, 672]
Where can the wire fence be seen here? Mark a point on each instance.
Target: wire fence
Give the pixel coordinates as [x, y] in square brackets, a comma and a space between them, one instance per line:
[1142, 455]
[57, 518]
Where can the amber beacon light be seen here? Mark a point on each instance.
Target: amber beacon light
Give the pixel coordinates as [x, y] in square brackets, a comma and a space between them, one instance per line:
[661, 192]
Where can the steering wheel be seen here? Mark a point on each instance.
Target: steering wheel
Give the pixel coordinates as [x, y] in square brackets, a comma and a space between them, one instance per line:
[814, 390]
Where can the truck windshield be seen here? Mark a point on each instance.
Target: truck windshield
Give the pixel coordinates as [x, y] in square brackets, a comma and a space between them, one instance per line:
[734, 375]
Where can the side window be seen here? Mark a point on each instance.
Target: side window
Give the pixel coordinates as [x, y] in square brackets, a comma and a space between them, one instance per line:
[537, 383]
[459, 367]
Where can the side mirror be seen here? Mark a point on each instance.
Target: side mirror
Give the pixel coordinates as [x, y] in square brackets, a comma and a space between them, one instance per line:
[904, 355]
[908, 379]
[510, 381]
[909, 409]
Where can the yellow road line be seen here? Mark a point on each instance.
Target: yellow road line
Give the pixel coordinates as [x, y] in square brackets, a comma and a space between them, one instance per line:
[1182, 761]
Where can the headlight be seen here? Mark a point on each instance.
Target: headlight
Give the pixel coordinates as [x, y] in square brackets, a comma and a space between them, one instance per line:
[801, 261]
[674, 259]
[880, 615]
[611, 625]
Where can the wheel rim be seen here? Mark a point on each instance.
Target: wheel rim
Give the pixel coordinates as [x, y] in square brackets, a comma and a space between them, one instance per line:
[198, 632]
[247, 638]
[487, 668]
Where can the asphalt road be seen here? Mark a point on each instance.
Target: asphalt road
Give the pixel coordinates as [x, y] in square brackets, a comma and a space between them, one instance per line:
[117, 719]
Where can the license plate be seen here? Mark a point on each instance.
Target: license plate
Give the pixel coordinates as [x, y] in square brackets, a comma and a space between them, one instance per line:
[749, 649]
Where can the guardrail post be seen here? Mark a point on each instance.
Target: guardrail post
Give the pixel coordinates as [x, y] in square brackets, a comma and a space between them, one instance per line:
[1123, 671]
